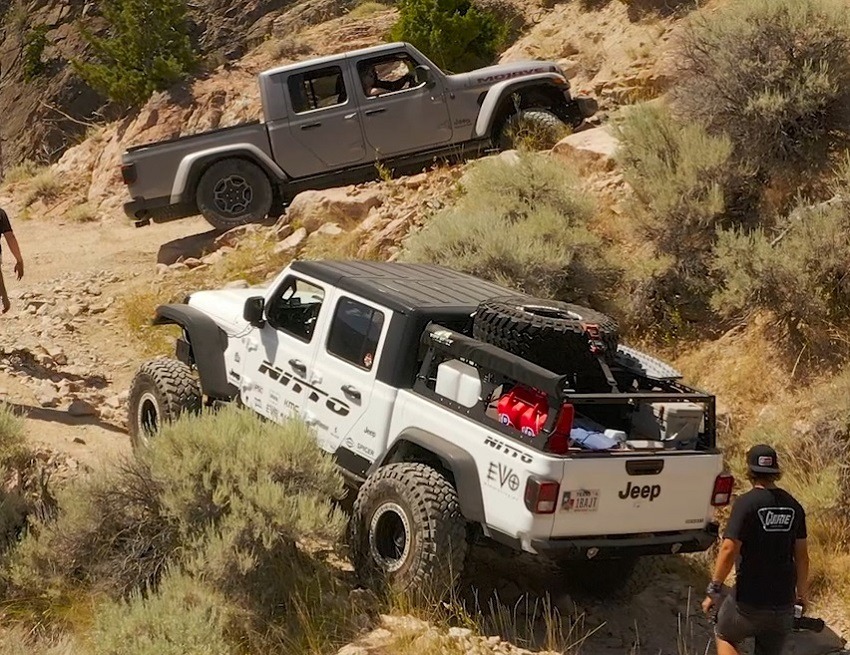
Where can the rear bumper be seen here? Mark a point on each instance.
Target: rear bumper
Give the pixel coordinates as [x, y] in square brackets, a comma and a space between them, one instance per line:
[665, 543]
[158, 210]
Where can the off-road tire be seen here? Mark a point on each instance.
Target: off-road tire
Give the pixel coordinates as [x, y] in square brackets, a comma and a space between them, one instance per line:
[417, 503]
[547, 128]
[162, 390]
[234, 192]
[549, 333]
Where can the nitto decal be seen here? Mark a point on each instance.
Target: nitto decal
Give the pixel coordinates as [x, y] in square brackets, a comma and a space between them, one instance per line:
[314, 394]
[504, 475]
[507, 76]
[648, 492]
[777, 519]
[507, 449]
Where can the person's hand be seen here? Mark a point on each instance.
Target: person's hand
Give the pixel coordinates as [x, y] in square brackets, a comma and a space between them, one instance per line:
[6, 304]
[19, 268]
[707, 604]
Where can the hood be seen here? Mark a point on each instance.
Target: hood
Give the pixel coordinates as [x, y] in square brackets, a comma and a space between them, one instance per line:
[224, 305]
[487, 77]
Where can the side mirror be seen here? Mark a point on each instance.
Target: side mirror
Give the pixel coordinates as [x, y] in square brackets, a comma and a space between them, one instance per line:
[423, 76]
[253, 310]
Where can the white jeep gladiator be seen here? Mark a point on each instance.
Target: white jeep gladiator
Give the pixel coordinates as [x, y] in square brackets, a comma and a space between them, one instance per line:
[457, 411]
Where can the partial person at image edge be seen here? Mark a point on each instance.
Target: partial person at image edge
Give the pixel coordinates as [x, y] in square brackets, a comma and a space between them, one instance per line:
[765, 540]
[12, 242]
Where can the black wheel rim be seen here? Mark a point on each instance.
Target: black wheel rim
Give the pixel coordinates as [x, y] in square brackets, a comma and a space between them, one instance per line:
[389, 537]
[233, 195]
[551, 312]
[148, 415]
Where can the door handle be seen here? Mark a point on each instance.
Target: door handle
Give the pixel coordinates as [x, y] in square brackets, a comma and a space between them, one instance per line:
[348, 117]
[351, 392]
[298, 365]
[310, 126]
[369, 112]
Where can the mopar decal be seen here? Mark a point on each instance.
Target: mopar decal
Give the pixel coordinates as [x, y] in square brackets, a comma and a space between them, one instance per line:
[507, 76]
[297, 386]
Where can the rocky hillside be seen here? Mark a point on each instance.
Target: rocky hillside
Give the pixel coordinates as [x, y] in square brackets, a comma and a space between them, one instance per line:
[54, 109]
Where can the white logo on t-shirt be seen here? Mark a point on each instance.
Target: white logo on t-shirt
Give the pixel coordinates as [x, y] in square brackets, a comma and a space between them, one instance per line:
[777, 519]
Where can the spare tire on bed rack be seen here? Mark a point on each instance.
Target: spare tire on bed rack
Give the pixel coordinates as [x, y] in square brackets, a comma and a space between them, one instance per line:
[559, 336]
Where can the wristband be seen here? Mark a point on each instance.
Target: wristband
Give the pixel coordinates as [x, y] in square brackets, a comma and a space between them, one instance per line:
[714, 588]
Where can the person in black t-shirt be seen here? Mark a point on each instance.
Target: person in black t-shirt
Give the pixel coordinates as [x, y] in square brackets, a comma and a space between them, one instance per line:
[12, 242]
[766, 542]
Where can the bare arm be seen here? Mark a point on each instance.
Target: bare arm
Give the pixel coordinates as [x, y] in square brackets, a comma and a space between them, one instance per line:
[4, 297]
[801, 559]
[729, 551]
[16, 253]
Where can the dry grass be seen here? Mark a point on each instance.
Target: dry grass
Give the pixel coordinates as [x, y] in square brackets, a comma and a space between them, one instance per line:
[42, 186]
[367, 9]
[254, 260]
[82, 213]
[20, 172]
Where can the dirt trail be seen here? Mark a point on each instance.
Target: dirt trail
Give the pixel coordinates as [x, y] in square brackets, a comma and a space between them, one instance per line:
[63, 338]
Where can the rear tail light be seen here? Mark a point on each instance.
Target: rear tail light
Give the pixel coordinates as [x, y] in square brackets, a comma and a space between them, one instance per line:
[128, 173]
[722, 494]
[541, 496]
[559, 441]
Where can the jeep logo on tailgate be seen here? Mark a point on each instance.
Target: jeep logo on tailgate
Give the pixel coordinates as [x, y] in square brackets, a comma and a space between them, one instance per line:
[650, 492]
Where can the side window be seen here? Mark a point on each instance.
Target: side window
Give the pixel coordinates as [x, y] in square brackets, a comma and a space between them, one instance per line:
[317, 89]
[294, 309]
[382, 75]
[355, 332]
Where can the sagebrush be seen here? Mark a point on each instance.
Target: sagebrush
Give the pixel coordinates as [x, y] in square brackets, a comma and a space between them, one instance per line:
[224, 497]
[683, 181]
[521, 223]
[772, 74]
[797, 271]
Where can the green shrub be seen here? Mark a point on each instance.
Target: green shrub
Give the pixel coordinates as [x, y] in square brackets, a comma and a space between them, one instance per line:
[798, 272]
[681, 178]
[20, 172]
[772, 74]
[184, 617]
[35, 41]
[454, 34]
[521, 223]
[225, 495]
[42, 186]
[147, 50]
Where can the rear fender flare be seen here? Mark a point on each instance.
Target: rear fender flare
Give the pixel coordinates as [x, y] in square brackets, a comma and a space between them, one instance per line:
[500, 92]
[208, 343]
[193, 165]
[455, 459]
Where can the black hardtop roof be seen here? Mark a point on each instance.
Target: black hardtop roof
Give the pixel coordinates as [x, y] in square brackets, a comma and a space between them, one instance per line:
[406, 288]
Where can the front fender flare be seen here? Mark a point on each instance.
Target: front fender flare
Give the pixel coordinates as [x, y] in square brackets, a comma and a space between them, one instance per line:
[455, 459]
[208, 342]
[498, 92]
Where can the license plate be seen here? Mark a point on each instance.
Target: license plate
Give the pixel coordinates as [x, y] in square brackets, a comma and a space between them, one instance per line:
[581, 500]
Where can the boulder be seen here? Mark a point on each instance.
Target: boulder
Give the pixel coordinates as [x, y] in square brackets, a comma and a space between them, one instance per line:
[814, 643]
[346, 206]
[292, 242]
[80, 407]
[595, 148]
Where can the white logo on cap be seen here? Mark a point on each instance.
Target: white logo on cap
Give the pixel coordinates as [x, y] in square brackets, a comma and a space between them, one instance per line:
[765, 460]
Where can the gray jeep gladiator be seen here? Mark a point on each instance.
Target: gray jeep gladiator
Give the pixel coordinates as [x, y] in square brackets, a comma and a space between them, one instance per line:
[327, 122]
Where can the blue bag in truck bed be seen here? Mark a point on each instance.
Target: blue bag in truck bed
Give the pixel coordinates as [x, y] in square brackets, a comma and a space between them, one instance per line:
[592, 439]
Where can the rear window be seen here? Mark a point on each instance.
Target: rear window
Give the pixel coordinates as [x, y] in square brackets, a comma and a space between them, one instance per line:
[355, 332]
[317, 89]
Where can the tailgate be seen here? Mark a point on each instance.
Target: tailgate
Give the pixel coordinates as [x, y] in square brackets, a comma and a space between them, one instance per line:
[632, 494]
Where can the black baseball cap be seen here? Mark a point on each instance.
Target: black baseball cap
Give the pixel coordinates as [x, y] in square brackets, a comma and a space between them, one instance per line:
[762, 459]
